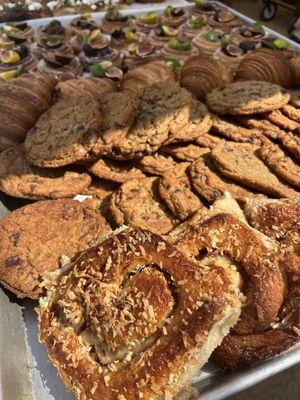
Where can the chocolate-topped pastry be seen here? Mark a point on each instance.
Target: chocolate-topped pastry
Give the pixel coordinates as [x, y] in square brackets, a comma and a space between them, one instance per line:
[92, 38]
[18, 59]
[84, 22]
[114, 20]
[161, 35]
[98, 52]
[125, 37]
[179, 49]
[50, 37]
[192, 27]
[147, 22]
[174, 16]
[224, 20]
[140, 54]
[201, 9]
[59, 63]
[208, 41]
[254, 33]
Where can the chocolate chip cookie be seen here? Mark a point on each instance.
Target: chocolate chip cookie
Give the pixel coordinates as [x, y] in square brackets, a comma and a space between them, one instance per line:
[156, 164]
[35, 238]
[184, 152]
[229, 129]
[65, 133]
[137, 202]
[209, 140]
[176, 191]
[244, 98]
[291, 112]
[240, 162]
[278, 118]
[281, 164]
[116, 171]
[20, 179]
[261, 124]
[290, 142]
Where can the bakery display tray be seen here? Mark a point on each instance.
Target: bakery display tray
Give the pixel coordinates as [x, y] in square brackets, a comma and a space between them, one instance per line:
[25, 371]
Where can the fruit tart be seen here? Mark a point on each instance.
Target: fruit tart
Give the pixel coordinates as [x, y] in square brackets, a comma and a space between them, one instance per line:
[138, 54]
[114, 20]
[59, 64]
[19, 59]
[253, 33]
[232, 54]
[148, 22]
[18, 32]
[208, 41]
[161, 35]
[84, 22]
[179, 49]
[124, 38]
[97, 52]
[192, 27]
[224, 20]
[86, 38]
[202, 9]
[174, 16]
[279, 44]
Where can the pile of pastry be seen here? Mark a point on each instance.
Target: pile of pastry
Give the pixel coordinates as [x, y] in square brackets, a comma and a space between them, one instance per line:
[120, 42]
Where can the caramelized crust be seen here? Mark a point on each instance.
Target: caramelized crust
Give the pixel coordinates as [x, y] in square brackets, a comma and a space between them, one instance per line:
[136, 318]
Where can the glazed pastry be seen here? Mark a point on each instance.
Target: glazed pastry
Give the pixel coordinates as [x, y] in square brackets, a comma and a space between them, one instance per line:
[178, 49]
[50, 37]
[208, 41]
[59, 64]
[201, 9]
[17, 116]
[192, 27]
[254, 33]
[147, 22]
[84, 22]
[174, 16]
[114, 21]
[224, 20]
[114, 318]
[18, 59]
[200, 75]
[139, 54]
[124, 38]
[88, 40]
[161, 35]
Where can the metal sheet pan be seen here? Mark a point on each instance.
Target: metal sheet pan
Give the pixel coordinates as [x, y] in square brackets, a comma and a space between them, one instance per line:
[26, 373]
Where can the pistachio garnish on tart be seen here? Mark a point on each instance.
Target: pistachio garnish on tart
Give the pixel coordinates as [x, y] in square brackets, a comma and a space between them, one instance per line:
[280, 44]
[105, 69]
[19, 57]
[148, 22]
[192, 27]
[179, 49]
[174, 16]
[162, 34]
[114, 20]
[208, 41]
[253, 33]
[93, 38]
[123, 38]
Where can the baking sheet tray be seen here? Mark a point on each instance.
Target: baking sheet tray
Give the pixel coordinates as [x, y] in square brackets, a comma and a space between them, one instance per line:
[26, 373]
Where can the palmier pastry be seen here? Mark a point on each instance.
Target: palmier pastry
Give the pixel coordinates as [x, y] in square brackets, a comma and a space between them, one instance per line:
[114, 21]
[224, 232]
[136, 318]
[174, 16]
[37, 90]
[200, 75]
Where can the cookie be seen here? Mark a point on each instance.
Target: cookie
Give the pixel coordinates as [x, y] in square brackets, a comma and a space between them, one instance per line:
[290, 142]
[116, 171]
[240, 162]
[65, 133]
[295, 97]
[137, 202]
[278, 118]
[199, 124]
[119, 110]
[176, 191]
[261, 124]
[282, 165]
[211, 185]
[208, 140]
[244, 98]
[291, 112]
[165, 110]
[156, 164]
[184, 152]
[19, 179]
[232, 131]
[35, 239]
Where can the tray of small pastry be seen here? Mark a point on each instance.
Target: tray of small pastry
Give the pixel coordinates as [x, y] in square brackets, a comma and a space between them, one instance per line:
[114, 42]
[183, 248]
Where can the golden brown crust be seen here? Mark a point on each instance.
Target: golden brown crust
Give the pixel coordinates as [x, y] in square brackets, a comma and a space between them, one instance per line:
[115, 329]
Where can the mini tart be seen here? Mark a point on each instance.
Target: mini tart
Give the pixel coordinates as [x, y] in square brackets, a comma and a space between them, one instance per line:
[20, 59]
[46, 41]
[158, 37]
[232, 59]
[192, 27]
[204, 43]
[246, 33]
[114, 20]
[84, 22]
[98, 56]
[87, 38]
[141, 55]
[121, 39]
[174, 16]
[143, 26]
[205, 9]
[53, 28]
[180, 55]
[18, 32]
[224, 20]
[60, 63]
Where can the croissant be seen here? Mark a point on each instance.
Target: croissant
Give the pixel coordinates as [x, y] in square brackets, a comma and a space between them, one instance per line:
[135, 318]
[265, 65]
[201, 74]
[23, 100]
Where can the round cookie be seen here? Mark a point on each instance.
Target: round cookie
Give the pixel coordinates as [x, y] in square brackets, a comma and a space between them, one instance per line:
[137, 202]
[156, 164]
[184, 151]
[116, 171]
[282, 121]
[65, 133]
[35, 239]
[19, 179]
[244, 98]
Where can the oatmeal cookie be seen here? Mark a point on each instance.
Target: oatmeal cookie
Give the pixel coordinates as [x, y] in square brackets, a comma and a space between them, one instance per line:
[65, 133]
[20, 179]
[137, 202]
[35, 238]
[240, 162]
[244, 98]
